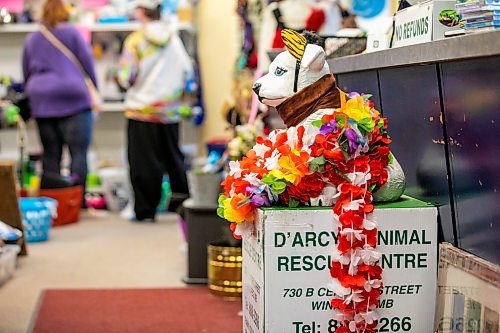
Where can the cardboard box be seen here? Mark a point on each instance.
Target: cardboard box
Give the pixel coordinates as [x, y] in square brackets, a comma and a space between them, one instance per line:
[425, 22]
[286, 269]
[468, 293]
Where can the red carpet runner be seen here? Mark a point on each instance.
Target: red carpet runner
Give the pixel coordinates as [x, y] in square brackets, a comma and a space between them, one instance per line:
[182, 310]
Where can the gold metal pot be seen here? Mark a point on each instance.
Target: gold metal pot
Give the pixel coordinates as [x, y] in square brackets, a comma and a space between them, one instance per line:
[224, 271]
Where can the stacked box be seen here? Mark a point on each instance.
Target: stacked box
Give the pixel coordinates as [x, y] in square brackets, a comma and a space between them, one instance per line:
[286, 269]
[479, 15]
[468, 293]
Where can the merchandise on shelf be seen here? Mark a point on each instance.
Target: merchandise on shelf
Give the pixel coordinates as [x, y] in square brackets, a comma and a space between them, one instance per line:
[468, 292]
[5, 16]
[479, 15]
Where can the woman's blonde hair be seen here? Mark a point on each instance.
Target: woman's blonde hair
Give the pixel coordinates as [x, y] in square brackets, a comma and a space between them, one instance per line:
[53, 13]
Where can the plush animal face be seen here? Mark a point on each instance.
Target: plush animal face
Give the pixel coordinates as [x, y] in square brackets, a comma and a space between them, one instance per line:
[276, 86]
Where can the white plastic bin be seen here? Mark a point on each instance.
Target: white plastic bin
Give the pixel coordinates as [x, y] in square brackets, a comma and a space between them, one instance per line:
[8, 260]
[115, 187]
[204, 189]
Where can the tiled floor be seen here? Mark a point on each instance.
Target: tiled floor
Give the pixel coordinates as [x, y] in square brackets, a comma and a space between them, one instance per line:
[101, 251]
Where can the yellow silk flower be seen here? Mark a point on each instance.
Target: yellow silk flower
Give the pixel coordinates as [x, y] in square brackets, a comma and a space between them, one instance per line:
[234, 213]
[356, 109]
[291, 174]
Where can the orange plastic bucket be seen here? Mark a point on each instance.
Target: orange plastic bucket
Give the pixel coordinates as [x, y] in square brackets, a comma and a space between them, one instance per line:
[69, 203]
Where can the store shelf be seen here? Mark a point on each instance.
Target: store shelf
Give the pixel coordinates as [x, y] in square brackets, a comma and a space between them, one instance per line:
[97, 27]
[18, 28]
[128, 26]
[115, 27]
[185, 26]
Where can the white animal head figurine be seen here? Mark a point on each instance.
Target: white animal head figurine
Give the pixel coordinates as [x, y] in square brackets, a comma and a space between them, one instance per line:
[301, 65]
[304, 65]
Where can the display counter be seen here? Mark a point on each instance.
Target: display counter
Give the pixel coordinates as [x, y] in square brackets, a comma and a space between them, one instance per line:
[204, 227]
[442, 100]
[478, 45]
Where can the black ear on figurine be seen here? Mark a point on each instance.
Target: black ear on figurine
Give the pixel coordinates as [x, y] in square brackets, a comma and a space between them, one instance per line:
[313, 38]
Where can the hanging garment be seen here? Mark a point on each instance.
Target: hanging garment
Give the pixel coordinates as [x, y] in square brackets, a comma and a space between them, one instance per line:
[155, 68]
[280, 25]
[316, 20]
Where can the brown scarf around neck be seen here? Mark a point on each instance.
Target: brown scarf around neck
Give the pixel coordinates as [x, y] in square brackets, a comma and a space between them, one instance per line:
[322, 94]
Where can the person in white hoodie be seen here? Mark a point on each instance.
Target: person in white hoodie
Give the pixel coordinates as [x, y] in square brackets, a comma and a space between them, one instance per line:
[154, 68]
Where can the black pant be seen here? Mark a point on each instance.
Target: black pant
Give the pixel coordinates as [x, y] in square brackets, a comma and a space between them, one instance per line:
[74, 131]
[153, 150]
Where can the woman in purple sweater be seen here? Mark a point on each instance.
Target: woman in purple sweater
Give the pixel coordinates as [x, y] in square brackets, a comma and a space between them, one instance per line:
[59, 98]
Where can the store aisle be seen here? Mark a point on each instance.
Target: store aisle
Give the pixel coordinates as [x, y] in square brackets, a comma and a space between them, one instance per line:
[97, 252]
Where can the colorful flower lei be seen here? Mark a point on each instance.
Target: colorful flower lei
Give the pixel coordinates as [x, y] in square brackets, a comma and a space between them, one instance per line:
[339, 160]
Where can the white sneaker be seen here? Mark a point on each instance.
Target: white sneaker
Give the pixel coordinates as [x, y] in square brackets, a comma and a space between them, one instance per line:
[128, 212]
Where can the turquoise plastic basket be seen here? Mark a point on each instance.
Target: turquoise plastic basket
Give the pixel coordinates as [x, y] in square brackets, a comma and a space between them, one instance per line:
[37, 217]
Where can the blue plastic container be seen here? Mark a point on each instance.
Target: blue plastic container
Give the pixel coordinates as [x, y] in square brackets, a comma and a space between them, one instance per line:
[37, 216]
[115, 19]
[219, 148]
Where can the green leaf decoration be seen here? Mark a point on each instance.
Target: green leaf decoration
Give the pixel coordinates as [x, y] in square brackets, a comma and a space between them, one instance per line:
[366, 125]
[268, 179]
[391, 159]
[381, 124]
[320, 160]
[222, 197]
[317, 123]
[278, 187]
[220, 212]
[277, 191]
[293, 203]
[340, 119]
[313, 168]
[366, 97]
[372, 187]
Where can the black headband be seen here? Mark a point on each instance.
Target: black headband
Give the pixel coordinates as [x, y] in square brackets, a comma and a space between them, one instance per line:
[296, 79]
